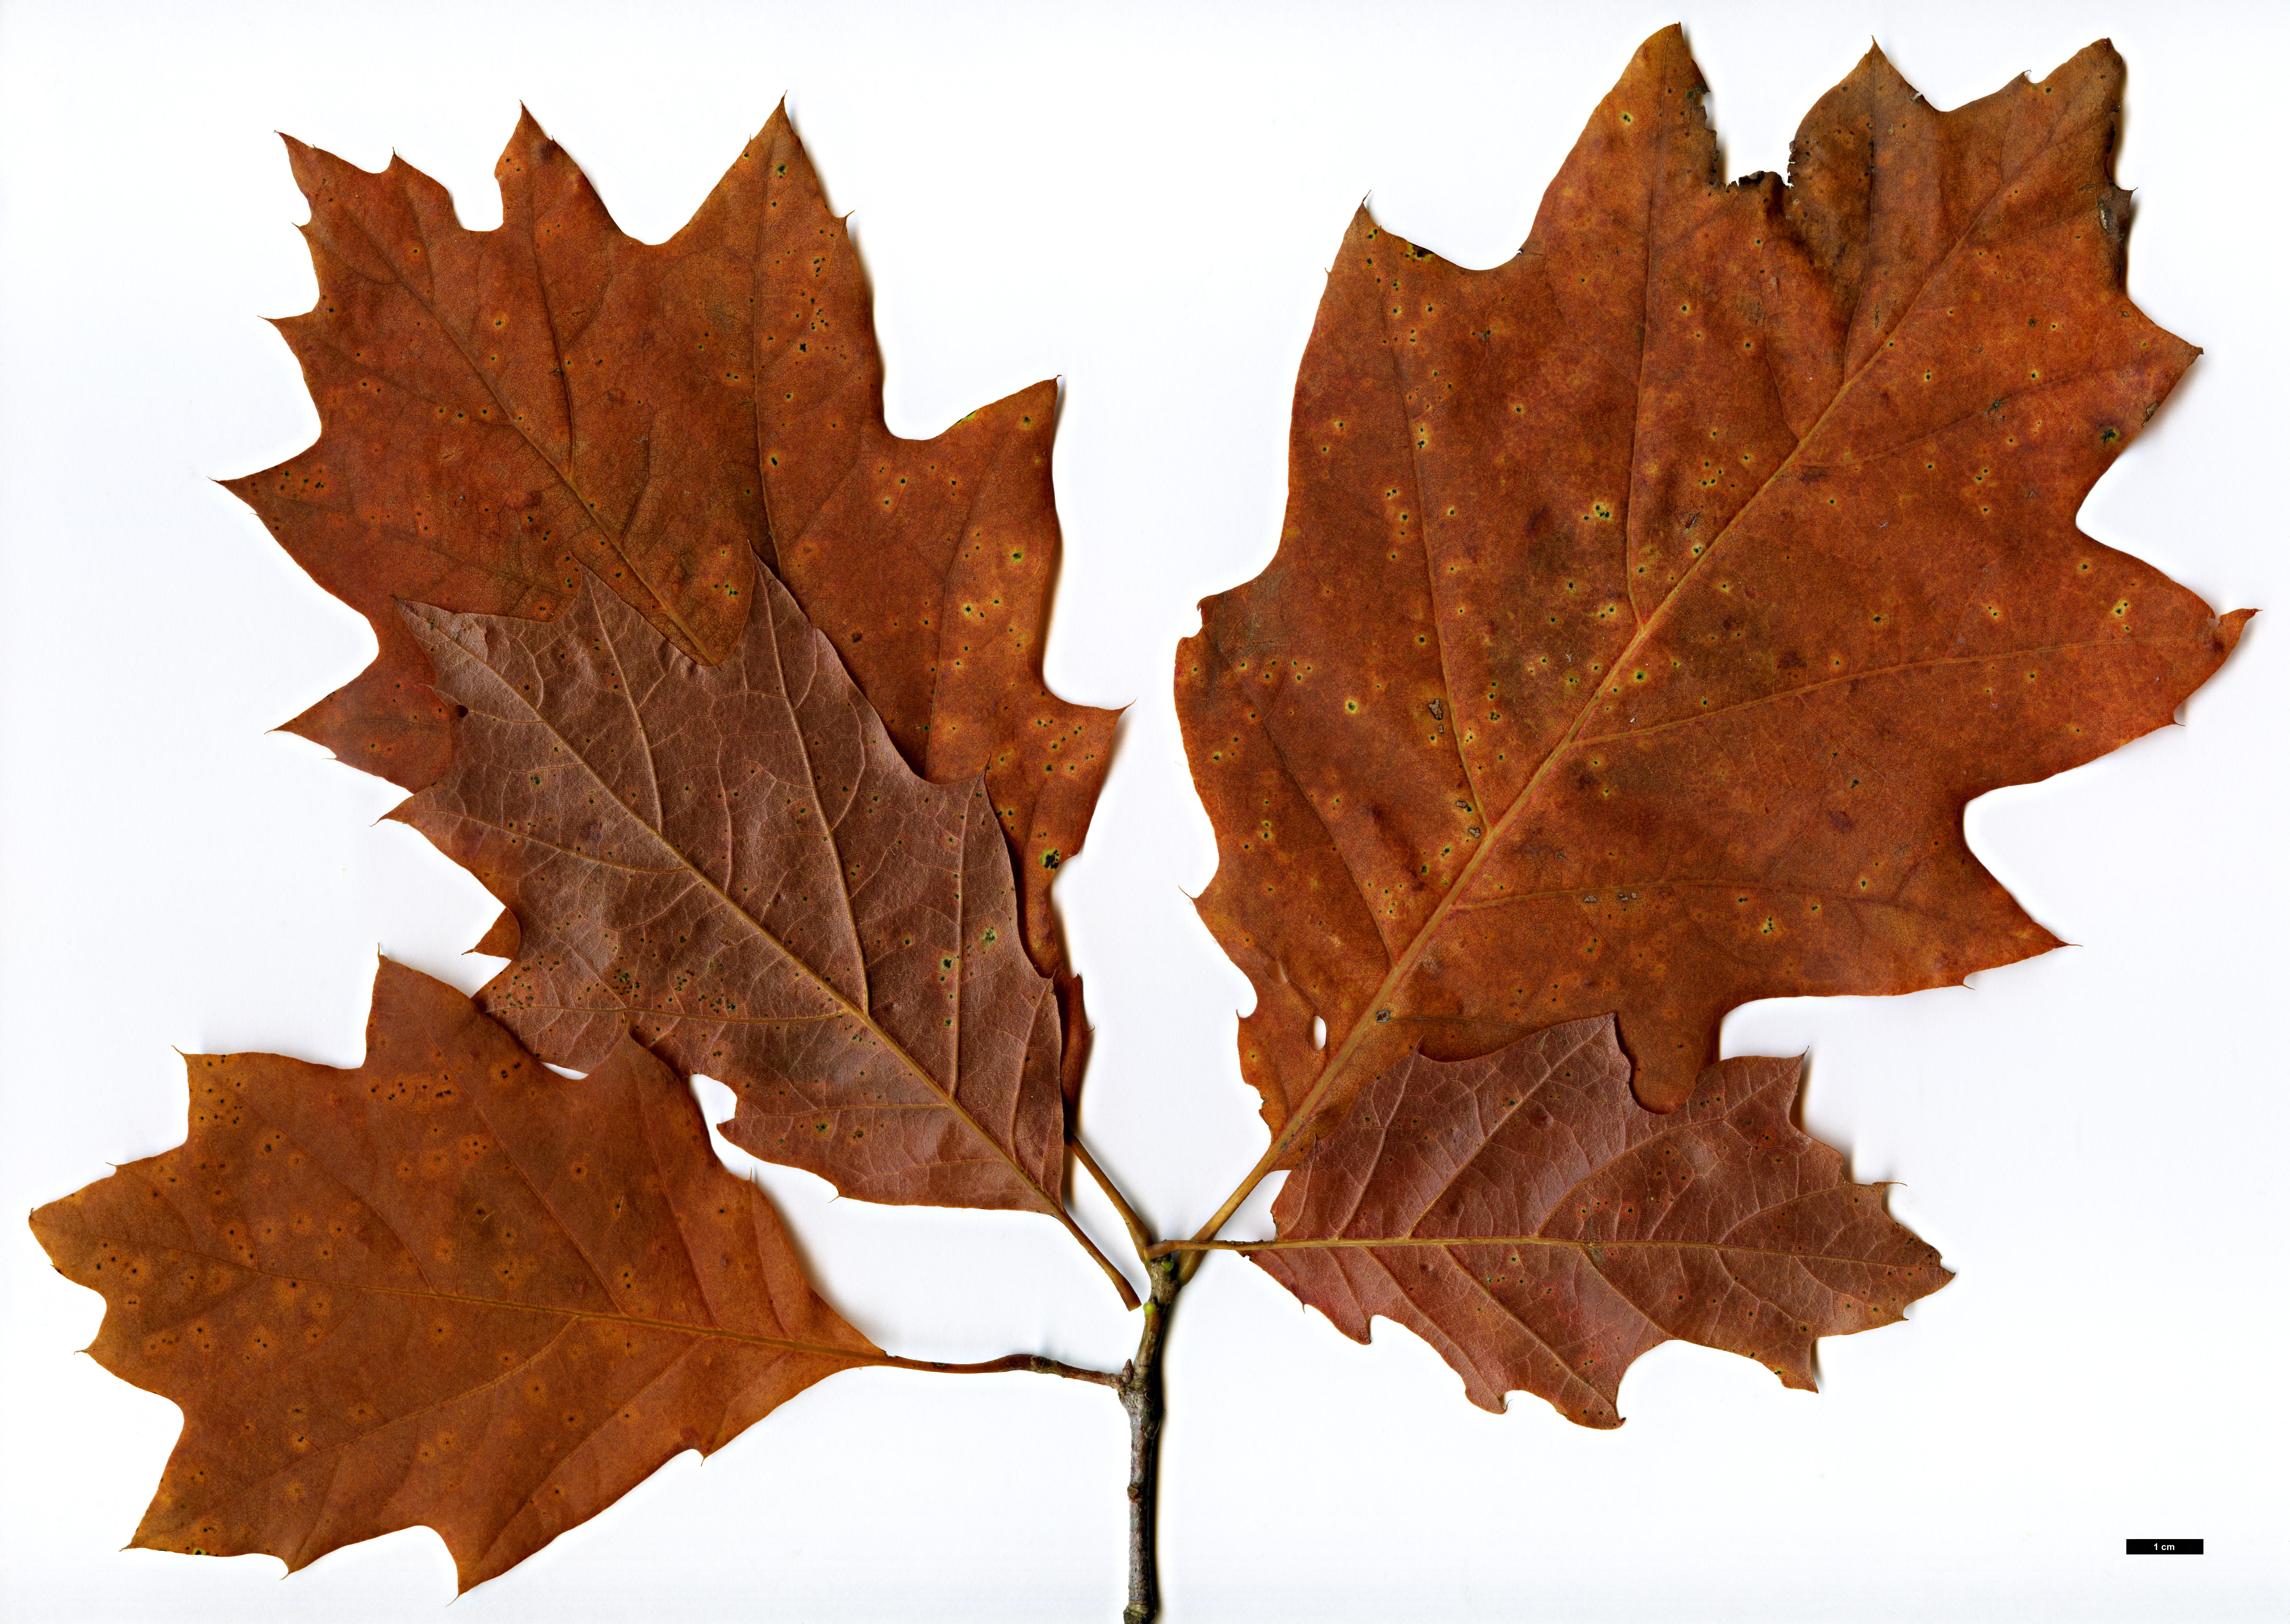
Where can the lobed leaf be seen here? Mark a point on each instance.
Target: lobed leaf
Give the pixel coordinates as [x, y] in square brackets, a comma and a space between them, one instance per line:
[1524, 1216]
[1649, 607]
[446, 1288]
[733, 862]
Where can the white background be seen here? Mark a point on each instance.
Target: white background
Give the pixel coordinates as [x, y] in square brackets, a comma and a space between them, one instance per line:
[1142, 202]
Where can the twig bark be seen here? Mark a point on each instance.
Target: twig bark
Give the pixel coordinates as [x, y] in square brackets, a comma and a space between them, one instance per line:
[1141, 1397]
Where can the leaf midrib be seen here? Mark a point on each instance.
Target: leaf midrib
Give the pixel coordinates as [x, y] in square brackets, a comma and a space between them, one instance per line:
[1377, 1243]
[431, 1294]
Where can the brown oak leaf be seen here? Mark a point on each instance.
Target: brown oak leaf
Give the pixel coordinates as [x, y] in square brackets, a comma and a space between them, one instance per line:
[502, 407]
[447, 1287]
[1524, 1216]
[1649, 607]
[733, 862]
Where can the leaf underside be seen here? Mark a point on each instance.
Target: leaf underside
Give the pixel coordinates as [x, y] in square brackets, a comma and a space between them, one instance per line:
[732, 862]
[1540, 1230]
[446, 1288]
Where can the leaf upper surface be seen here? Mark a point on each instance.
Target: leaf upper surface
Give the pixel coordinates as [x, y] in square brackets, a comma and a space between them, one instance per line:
[1523, 1215]
[1649, 607]
[445, 1288]
[733, 862]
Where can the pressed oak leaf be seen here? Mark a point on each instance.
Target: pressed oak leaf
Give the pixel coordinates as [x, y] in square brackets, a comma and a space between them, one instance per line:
[447, 1287]
[732, 862]
[1648, 607]
[503, 407]
[1524, 1216]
